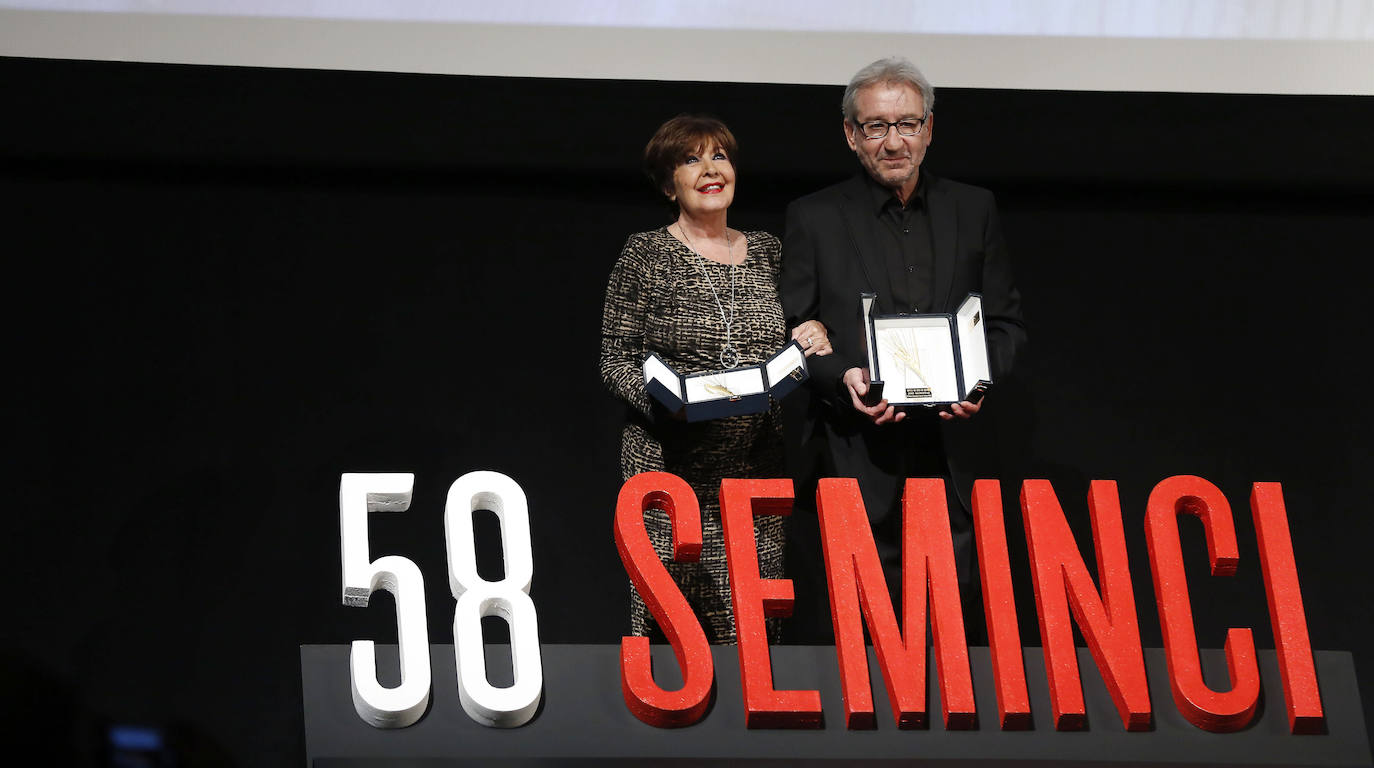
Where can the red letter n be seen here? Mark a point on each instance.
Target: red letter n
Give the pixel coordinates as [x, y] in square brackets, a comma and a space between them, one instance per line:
[1107, 620]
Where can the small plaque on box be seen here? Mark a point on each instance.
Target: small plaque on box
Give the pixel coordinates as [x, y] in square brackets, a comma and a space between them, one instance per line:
[732, 392]
[927, 359]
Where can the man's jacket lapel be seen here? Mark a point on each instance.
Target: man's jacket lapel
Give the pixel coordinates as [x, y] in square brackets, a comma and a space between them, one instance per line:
[857, 212]
[944, 228]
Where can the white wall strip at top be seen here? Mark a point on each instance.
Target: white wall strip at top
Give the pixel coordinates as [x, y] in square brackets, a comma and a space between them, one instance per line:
[1329, 50]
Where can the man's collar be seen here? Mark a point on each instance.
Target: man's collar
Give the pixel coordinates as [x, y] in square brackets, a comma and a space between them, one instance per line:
[879, 196]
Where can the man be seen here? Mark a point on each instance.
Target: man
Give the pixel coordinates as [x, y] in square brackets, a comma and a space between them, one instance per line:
[922, 244]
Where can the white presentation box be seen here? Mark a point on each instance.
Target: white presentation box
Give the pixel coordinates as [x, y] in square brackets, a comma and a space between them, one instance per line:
[927, 359]
[732, 392]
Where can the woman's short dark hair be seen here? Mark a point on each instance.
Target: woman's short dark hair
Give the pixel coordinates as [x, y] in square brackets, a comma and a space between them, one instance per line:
[680, 138]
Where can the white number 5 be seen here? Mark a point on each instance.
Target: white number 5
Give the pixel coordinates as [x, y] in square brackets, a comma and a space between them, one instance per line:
[360, 493]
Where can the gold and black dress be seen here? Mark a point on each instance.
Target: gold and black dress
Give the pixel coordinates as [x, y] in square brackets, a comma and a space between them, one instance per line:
[658, 300]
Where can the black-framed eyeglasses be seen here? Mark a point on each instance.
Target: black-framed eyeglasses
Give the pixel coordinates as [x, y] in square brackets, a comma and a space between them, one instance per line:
[877, 129]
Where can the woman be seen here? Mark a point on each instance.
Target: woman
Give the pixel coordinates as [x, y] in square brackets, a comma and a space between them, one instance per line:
[703, 297]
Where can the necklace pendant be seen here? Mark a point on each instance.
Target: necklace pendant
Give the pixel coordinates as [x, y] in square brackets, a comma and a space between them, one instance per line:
[729, 358]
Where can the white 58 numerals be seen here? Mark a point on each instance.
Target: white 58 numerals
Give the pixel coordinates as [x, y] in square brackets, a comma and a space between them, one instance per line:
[361, 493]
[383, 707]
[508, 598]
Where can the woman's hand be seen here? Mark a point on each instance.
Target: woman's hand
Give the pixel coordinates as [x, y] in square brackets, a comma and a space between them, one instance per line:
[813, 339]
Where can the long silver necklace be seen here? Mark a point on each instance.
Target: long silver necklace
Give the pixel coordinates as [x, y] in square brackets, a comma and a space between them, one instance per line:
[729, 357]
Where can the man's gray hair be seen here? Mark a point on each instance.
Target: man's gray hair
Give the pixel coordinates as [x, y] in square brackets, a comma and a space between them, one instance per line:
[894, 70]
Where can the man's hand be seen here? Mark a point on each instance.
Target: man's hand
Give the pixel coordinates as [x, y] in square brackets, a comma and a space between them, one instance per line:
[856, 380]
[964, 410]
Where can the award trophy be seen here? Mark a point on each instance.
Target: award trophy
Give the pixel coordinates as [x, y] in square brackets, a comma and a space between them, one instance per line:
[730, 392]
[928, 359]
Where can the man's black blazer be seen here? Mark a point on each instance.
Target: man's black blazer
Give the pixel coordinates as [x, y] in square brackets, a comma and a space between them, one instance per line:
[830, 255]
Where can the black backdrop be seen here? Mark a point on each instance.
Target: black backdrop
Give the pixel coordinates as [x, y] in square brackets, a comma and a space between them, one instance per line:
[227, 286]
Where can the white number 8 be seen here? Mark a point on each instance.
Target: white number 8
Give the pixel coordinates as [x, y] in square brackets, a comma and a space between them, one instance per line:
[508, 598]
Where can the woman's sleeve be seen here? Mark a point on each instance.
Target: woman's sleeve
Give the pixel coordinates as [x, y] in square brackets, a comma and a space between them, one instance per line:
[622, 327]
[773, 247]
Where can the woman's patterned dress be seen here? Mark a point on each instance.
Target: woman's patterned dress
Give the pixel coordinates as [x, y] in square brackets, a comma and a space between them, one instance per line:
[658, 300]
